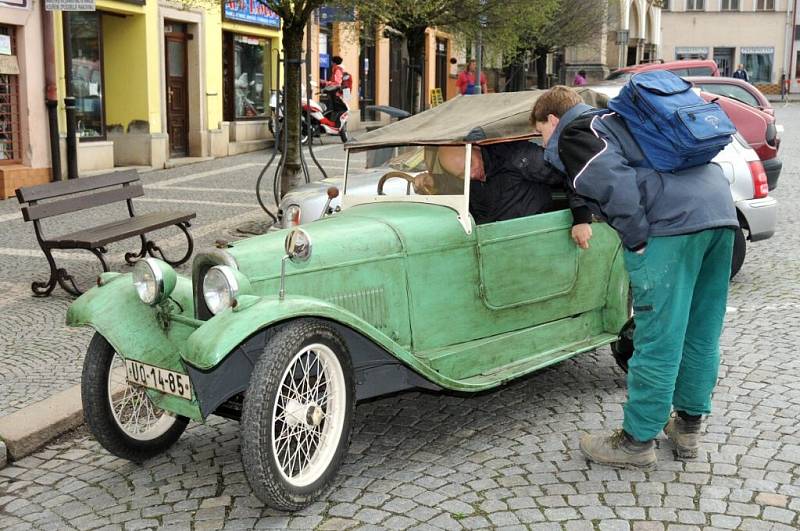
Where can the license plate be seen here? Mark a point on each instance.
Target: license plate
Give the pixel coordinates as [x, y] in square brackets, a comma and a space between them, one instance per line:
[169, 382]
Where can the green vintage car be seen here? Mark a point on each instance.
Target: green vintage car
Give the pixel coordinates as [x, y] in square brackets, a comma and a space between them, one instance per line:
[287, 331]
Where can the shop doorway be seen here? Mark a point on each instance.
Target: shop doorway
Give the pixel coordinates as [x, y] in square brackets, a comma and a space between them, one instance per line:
[441, 66]
[175, 46]
[724, 59]
[396, 78]
[366, 75]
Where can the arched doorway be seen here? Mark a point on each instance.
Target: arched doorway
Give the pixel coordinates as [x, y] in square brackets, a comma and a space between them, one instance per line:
[632, 54]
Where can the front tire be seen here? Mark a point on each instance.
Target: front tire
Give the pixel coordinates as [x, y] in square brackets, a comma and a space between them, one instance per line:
[297, 415]
[739, 251]
[121, 416]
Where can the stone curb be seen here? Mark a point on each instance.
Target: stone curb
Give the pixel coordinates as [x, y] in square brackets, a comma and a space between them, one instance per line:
[25, 431]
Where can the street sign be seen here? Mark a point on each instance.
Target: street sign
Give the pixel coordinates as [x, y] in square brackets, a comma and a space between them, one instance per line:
[69, 5]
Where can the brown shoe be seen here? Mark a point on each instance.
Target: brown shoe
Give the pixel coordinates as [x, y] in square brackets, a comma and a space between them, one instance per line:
[619, 450]
[684, 434]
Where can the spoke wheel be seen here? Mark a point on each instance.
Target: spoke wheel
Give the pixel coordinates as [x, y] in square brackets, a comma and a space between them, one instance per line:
[121, 416]
[133, 411]
[297, 414]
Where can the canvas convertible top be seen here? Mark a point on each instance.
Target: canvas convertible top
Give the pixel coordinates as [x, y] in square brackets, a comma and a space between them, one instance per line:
[480, 119]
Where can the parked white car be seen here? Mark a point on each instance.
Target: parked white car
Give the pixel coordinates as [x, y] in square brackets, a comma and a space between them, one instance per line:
[757, 211]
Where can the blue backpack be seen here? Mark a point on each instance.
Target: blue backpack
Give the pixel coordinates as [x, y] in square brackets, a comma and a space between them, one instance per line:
[673, 125]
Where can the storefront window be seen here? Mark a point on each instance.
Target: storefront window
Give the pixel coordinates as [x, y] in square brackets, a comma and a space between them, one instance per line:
[9, 98]
[758, 63]
[85, 71]
[247, 73]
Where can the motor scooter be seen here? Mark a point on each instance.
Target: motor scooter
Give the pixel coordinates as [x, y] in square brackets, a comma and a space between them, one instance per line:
[318, 118]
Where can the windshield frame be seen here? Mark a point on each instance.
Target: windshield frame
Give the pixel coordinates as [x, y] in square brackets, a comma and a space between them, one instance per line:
[457, 203]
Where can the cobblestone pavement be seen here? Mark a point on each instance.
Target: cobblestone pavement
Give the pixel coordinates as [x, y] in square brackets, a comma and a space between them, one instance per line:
[501, 459]
[39, 355]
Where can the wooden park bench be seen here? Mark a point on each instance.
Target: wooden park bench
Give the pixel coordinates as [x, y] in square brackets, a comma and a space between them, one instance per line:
[78, 195]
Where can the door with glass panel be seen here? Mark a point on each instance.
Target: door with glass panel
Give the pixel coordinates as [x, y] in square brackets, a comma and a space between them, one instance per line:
[177, 89]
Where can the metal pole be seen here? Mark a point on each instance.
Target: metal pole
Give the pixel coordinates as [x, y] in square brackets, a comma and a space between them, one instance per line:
[69, 103]
[51, 92]
[72, 144]
[479, 63]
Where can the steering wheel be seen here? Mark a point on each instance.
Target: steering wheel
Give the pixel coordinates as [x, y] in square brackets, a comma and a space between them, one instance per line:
[395, 174]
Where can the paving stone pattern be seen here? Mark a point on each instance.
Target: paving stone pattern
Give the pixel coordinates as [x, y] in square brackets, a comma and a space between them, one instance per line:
[505, 459]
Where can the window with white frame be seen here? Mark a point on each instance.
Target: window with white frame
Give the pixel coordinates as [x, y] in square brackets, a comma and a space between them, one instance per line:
[729, 5]
[765, 5]
[695, 5]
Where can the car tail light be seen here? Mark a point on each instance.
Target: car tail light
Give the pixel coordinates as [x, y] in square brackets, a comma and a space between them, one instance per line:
[760, 183]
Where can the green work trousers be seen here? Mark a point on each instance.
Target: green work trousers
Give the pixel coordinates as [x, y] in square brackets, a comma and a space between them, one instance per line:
[680, 291]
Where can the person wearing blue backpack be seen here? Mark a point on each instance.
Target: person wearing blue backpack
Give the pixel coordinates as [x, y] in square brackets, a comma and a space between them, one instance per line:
[676, 230]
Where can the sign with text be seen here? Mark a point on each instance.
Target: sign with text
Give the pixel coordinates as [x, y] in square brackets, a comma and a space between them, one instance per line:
[328, 15]
[252, 12]
[69, 5]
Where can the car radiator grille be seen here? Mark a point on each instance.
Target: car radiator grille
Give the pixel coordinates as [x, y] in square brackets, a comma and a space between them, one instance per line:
[369, 304]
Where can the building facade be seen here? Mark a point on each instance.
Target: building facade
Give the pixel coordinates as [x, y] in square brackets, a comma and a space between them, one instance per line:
[755, 33]
[24, 151]
[375, 59]
[155, 81]
[631, 35]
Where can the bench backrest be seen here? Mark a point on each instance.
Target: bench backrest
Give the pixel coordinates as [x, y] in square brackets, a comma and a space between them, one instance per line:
[108, 188]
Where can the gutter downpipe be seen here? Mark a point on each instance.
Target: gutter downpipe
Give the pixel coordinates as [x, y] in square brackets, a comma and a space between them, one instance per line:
[51, 91]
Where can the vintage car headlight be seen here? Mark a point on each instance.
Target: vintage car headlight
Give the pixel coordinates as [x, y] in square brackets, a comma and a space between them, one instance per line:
[154, 280]
[298, 245]
[291, 216]
[221, 286]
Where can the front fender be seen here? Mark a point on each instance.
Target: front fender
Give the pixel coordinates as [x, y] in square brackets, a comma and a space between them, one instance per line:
[217, 337]
[138, 331]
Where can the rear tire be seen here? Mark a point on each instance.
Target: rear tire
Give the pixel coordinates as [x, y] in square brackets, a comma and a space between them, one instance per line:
[297, 414]
[739, 252]
[112, 407]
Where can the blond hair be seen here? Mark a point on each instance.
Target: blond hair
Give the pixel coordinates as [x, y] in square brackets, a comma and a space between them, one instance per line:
[556, 101]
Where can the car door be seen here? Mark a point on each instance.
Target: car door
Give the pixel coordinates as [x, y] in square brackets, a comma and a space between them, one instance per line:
[526, 260]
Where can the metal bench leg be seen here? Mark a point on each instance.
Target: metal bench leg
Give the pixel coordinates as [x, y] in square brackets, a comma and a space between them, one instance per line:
[152, 248]
[66, 281]
[132, 258]
[43, 289]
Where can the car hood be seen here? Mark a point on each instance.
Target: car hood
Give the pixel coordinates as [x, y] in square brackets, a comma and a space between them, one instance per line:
[360, 234]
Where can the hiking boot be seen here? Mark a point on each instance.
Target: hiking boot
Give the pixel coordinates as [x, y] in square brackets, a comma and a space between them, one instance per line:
[619, 450]
[684, 434]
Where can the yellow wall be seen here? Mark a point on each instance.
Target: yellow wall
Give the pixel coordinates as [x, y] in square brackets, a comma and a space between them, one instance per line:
[125, 71]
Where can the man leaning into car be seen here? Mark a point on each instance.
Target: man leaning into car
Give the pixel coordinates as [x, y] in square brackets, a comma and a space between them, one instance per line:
[508, 180]
[677, 239]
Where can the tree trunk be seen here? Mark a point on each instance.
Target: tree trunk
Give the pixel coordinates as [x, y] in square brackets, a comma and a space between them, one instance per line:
[291, 175]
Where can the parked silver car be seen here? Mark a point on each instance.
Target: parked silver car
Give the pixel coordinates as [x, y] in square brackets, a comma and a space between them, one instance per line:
[757, 211]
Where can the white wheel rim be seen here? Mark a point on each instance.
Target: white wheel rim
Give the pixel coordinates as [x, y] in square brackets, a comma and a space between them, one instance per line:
[308, 415]
[132, 409]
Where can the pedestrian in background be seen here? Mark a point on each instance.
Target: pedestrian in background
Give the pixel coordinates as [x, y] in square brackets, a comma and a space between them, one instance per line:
[741, 73]
[580, 78]
[676, 231]
[466, 80]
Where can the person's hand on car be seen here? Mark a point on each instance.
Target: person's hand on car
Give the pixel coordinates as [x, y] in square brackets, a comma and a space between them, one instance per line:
[581, 234]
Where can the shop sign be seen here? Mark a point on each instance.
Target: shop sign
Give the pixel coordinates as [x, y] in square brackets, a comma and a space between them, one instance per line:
[5, 44]
[69, 5]
[335, 14]
[252, 12]
[324, 60]
[691, 50]
[21, 4]
[759, 50]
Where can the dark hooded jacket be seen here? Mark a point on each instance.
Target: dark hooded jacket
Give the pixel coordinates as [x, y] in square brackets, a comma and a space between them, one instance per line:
[605, 166]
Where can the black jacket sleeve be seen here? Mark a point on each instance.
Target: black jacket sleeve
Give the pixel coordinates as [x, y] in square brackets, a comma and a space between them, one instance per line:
[529, 160]
[597, 170]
